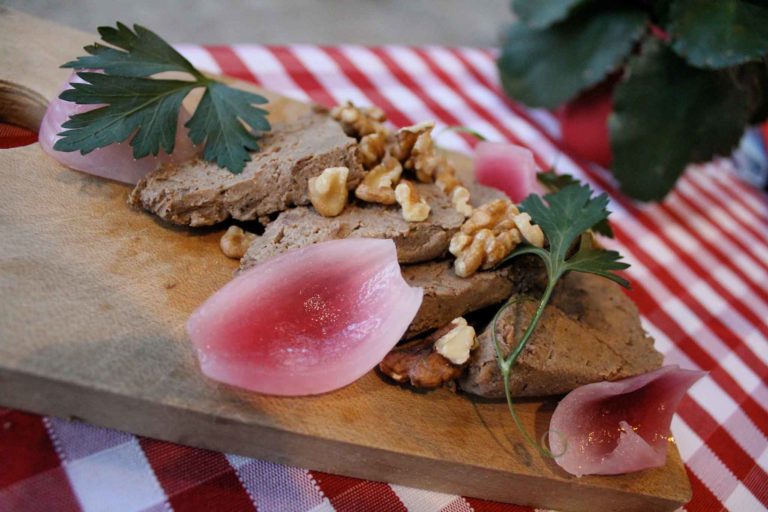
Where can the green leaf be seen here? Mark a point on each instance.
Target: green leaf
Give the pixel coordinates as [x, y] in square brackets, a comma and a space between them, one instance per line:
[555, 182]
[668, 114]
[718, 33]
[597, 261]
[547, 67]
[567, 214]
[226, 142]
[542, 13]
[149, 108]
[144, 54]
[146, 110]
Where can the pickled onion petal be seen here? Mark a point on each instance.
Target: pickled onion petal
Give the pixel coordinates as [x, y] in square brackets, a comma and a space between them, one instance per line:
[506, 167]
[309, 321]
[115, 161]
[609, 428]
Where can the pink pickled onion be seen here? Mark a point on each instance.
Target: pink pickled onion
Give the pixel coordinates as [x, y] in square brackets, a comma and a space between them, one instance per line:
[308, 321]
[507, 167]
[608, 428]
[115, 161]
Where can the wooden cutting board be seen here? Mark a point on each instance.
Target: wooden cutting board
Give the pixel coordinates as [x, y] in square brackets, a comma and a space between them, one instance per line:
[93, 300]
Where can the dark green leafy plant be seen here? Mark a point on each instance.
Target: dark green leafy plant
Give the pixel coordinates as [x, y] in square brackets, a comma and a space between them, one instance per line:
[692, 75]
[146, 109]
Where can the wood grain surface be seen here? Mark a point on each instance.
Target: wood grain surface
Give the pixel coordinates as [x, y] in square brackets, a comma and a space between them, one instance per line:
[93, 300]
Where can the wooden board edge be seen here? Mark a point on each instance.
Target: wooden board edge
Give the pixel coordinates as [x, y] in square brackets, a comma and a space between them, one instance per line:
[165, 422]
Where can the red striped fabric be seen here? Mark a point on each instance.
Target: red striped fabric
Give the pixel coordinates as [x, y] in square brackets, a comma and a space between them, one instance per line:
[195, 479]
[699, 269]
[14, 136]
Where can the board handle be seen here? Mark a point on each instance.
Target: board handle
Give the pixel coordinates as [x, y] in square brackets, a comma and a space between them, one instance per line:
[21, 106]
[30, 74]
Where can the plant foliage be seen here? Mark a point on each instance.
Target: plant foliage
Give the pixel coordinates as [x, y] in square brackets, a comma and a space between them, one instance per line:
[693, 74]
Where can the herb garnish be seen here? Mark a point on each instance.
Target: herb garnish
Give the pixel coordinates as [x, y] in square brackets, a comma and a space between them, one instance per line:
[568, 215]
[555, 182]
[146, 109]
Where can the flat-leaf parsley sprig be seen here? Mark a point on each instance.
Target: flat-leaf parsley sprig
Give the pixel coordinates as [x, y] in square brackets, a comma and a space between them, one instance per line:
[146, 109]
[567, 216]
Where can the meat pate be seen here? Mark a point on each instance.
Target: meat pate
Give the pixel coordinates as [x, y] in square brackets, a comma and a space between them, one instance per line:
[590, 332]
[200, 193]
[448, 296]
[415, 241]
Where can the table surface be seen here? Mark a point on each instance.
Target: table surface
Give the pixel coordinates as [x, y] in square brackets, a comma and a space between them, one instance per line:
[700, 279]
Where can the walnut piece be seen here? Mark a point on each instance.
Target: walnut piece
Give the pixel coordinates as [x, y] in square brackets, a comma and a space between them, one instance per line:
[235, 241]
[359, 121]
[378, 183]
[460, 201]
[406, 138]
[488, 236]
[424, 159]
[328, 191]
[414, 207]
[418, 363]
[445, 177]
[531, 233]
[372, 148]
[457, 343]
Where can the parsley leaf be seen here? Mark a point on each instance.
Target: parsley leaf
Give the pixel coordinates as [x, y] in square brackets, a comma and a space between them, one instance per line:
[149, 108]
[564, 216]
[570, 212]
[601, 262]
[145, 53]
[555, 182]
[145, 110]
[227, 142]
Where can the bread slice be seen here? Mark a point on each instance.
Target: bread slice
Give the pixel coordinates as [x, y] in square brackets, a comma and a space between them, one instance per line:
[201, 193]
[589, 333]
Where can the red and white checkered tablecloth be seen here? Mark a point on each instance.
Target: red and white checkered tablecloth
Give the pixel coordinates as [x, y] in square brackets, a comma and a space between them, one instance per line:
[699, 270]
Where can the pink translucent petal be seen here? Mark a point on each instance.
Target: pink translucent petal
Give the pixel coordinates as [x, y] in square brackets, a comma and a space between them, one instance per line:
[116, 161]
[309, 321]
[507, 167]
[608, 428]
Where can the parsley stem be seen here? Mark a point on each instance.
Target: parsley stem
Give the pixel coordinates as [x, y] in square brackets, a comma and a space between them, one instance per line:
[532, 325]
[506, 363]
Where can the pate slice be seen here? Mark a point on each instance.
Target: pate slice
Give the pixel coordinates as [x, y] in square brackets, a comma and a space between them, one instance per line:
[448, 296]
[589, 333]
[415, 241]
[200, 193]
